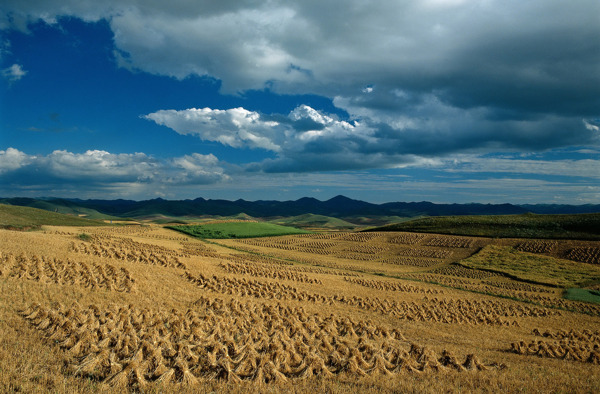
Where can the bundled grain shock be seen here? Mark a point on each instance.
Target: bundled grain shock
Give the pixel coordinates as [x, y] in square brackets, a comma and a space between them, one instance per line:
[67, 272]
[436, 310]
[127, 347]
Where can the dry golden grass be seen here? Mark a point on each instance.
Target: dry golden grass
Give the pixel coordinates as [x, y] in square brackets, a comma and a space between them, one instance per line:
[142, 308]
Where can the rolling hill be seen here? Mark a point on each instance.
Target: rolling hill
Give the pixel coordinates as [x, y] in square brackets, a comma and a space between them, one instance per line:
[310, 220]
[581, 226]
[17, 217]
[350, 210]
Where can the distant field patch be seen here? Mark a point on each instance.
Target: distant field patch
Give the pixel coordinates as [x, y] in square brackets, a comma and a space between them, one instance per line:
[583, 226]
[585, 295]
[226, 230]
[310, 220]
[533, 268]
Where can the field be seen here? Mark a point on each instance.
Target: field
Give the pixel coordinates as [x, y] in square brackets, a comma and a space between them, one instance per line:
[149, 309]
[582, 226]
[536, 268]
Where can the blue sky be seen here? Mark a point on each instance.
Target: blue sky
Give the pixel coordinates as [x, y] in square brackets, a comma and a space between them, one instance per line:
[444, 101]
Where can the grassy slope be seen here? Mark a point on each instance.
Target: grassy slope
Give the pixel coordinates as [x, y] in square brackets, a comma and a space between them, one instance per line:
[64, 207]
[533, 267]
[584, 226]
[311, 220]
[186, 220]
[26, 217]
[585, 295]
[372, 221]
[237, 230]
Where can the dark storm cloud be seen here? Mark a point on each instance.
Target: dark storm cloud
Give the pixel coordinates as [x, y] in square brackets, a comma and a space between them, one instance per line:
[536, 56]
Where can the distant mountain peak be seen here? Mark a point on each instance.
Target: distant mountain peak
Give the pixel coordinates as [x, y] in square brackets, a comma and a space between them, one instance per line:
[307, 199]
[340, 197]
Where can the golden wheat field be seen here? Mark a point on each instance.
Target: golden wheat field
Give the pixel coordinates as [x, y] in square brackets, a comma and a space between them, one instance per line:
[147, 309]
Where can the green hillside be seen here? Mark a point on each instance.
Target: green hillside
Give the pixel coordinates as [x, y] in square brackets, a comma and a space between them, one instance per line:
[30, 218]
[582, 226]
[237, 230]
[312, 221]
[59, 206]
[531, 267]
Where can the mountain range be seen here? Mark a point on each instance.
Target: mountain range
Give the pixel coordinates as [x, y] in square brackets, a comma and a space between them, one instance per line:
[338, 207]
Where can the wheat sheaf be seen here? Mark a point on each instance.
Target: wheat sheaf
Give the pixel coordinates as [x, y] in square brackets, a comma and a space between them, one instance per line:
[449, 311]
[66, 272]
[570, 345]
[129, 347]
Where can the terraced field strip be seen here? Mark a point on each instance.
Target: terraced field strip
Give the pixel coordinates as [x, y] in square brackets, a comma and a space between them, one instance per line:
[257, 270]
[583, 346]
[66, 272]
[590, 255]
[129, 250]
[452, 311]
[515, 290]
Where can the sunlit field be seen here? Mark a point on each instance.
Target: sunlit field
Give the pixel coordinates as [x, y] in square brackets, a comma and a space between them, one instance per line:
[149, 309]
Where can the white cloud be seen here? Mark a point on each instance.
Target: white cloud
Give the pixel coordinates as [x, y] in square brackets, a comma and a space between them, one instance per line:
[305, 112]
[310, 140]
[242, 47]
[97, 171]
[304, 139]
[587, 168]
[236, 127]
[240, 128]
[591, 126]
[12, 159]
[14, 72]
[198, 169]
[98, 164]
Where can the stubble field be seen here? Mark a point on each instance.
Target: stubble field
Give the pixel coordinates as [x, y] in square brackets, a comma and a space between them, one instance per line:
[144, 308]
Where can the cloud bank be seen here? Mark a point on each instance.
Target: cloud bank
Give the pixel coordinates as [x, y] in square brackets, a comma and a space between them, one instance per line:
[466, 178]
[309, 140]
[97, 171]
[510, 55]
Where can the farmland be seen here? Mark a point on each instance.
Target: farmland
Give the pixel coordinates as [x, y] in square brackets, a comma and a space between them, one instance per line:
[149, 309]
[237, 229]
[582, 226]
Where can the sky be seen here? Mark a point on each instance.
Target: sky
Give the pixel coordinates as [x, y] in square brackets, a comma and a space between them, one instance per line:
[449, 101]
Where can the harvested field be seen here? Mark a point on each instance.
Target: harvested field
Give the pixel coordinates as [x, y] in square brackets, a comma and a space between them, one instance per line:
[450, 242]
[243, 267]
[129, 250]
[146, 309]
[128, 347]
[537, 246]
[586, 255]
[52, 270]
[572, 345]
